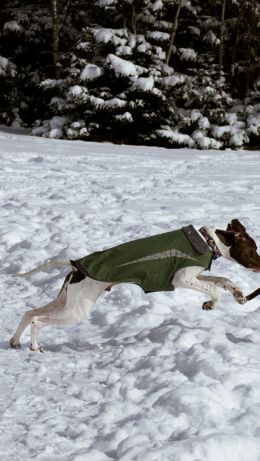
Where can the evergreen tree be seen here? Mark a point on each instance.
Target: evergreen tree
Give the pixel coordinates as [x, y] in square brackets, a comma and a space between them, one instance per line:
[119, 88]
[160, 72]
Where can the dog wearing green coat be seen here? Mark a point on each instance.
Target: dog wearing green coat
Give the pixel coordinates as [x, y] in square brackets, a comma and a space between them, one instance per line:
[163, 262]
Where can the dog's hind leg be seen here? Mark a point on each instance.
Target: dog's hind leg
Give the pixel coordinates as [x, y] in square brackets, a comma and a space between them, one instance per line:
[80, 297]
[37, 324]
[54, 306]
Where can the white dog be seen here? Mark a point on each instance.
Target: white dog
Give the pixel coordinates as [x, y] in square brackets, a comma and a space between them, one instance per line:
[155, 263]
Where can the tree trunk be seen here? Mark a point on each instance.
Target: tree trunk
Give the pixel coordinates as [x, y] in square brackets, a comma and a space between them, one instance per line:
[55, 36]
[221, 38]
[133, 20]
[173, 31]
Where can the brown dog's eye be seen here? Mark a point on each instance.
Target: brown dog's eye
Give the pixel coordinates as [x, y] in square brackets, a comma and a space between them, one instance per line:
[241, 236]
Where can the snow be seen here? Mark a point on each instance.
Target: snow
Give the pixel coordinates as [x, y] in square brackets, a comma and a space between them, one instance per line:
[105, 2]
[59, 103]
[97, 102]
[3, 65]
[121, 66]
[114, 103]
[13, 26]
[157, 5]
[76, 90]
[124, 50]
[50, 83]
[125, 117]
[143, 47]
[115, 36]
[173, 80]
[159, 36]
[176, 137]
[210, 37]
[219, 131]
[204, 123]
[145, 377]
[204, 142]
[231, 118]
[187, 54]
[104, 35]
[144, 83]
[238, 137]
[90, 72]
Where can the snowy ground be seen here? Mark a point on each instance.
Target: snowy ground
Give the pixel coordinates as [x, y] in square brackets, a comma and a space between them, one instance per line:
[145, 377]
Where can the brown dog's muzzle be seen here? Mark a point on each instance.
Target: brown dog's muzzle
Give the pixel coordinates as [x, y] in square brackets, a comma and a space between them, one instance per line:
[247, 257]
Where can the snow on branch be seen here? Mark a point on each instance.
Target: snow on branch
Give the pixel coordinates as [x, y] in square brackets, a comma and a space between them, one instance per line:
[91, 72]
[12, 26]
[50, 83]
[115, 36]
[144, 83]
[7, 68]
[173, 80]
[121, 66]
[159, 36]
[3, 65]
[174, 137]
[187, 54]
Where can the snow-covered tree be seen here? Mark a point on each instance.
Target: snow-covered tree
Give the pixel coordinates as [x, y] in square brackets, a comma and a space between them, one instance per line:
[119, 87]
[162, 72]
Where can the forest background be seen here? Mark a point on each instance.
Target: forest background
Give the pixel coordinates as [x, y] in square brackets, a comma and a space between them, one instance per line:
[152, 72]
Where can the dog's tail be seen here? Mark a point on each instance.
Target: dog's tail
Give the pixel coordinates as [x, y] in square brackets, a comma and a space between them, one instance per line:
[52, 262]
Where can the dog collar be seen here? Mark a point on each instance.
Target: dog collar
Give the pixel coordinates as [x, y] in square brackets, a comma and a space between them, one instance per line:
[213, 246]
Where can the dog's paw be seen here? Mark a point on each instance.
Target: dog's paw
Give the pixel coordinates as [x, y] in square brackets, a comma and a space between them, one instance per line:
[239, 297]
[36, 349]
[208, 305]
[14, 343]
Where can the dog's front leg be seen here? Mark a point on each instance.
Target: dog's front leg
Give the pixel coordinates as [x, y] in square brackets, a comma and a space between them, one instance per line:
[189, 278]
[227, 285]
[208, 288]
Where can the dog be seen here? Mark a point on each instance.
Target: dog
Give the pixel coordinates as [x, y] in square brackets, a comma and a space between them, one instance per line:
[147, 262]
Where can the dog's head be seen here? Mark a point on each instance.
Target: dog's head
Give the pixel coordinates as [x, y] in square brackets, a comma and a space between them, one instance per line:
[242, 248]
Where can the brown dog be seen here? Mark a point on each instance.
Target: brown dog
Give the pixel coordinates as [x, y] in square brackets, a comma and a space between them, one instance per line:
[81, 289]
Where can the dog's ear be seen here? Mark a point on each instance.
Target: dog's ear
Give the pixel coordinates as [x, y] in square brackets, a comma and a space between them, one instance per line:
[236, 226]
[226, 237]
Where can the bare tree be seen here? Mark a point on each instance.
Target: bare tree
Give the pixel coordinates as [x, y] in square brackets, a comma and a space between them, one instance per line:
[133, 19]
[174, 30]
[55, 36]
[134, 14]
[221, 38]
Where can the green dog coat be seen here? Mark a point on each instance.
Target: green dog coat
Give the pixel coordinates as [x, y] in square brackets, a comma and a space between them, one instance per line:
[149, 262]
